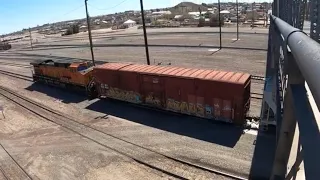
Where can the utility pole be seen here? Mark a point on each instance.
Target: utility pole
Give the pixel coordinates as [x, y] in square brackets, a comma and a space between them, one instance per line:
[237, 20]
[266, 9]
[89, 32]
[145, 33]
[252, 23]
[219, 9]
[30, 38]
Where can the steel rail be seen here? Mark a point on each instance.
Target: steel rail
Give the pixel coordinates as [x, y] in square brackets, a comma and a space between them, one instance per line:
[18, 76]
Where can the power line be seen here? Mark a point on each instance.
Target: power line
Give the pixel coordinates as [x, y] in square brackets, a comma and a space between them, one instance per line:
[52, 19]
[110, 7]
[73, 10]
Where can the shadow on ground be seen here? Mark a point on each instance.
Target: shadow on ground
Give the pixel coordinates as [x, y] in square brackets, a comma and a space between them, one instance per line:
[263, 157]
[210, 131]
[58, 93]
[213, 132]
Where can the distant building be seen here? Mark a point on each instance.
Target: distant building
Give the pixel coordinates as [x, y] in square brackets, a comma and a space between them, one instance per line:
[129, 12]
[177, 16]
[194, 13]
[161, 13]
[129, 23]
[225, 12]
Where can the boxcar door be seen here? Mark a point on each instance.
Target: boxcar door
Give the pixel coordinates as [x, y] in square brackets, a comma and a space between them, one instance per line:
[188, 96]
[173, 94]
[153, 90]
[217, 107]
[203, 110]
[227, 110]
[110, 84]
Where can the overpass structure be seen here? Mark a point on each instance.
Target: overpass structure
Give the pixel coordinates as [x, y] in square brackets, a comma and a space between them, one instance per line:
[291, 99]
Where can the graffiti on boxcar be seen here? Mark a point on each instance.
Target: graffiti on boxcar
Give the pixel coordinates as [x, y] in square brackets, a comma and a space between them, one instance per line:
[200, 110]
[151, 99]
[113, 93]
[184, 107]
[216, 109]
[123, 95]
[192, 108]
[170, 104]
[208, 111]
[226, 108]
[131, 96]
[173, 105]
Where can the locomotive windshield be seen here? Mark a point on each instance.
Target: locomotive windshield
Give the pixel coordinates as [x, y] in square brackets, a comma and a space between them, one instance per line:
[82, 67]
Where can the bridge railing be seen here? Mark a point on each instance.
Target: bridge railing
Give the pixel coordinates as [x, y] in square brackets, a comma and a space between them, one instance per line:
[296, 61]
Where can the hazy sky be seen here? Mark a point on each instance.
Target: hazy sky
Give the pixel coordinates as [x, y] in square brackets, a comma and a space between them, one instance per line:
[18, 14]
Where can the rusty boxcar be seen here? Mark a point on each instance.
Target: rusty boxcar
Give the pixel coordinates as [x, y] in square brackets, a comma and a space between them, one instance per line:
[210, 94]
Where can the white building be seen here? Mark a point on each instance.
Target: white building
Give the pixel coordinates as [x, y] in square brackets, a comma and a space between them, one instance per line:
[129, 23]
[177, 16]
[161, 13]
[225, 12]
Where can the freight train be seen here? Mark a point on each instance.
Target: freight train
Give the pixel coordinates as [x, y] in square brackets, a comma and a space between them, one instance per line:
[218, 95]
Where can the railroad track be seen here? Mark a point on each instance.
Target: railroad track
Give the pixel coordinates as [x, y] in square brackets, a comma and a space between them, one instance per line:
[3, 173]
[256, 95]
[15, 75]
[159, 163]
[15, 170]
[15, 65]
[259, 78]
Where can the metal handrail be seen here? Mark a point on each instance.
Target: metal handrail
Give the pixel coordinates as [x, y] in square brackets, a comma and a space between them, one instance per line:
[306, 52]
[301, 60]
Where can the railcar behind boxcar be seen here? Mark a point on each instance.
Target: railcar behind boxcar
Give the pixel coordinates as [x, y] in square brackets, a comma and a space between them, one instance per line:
[218, 95]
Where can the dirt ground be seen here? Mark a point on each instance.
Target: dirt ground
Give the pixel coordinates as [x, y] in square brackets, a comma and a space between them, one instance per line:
[47, 151]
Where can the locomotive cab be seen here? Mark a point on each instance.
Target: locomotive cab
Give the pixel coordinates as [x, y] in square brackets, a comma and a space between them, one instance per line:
[80, 67]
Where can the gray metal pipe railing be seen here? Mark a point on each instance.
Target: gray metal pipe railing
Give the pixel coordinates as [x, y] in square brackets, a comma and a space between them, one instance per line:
[306, 53]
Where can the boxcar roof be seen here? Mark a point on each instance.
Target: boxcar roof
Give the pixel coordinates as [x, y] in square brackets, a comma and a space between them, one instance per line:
[112, 66]
[232, 77]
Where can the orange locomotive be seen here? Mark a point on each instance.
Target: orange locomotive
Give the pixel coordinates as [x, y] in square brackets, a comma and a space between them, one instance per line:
[71, 75]
[209, 94]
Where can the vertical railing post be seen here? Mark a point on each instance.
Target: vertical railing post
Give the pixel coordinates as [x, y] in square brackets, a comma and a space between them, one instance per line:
[315, 20]
[270, 58]
[290, 12]
[275, 8]
[288, 125]
[302, 14]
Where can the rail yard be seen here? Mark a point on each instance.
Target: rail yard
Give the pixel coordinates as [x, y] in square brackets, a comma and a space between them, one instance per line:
[51, 133]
